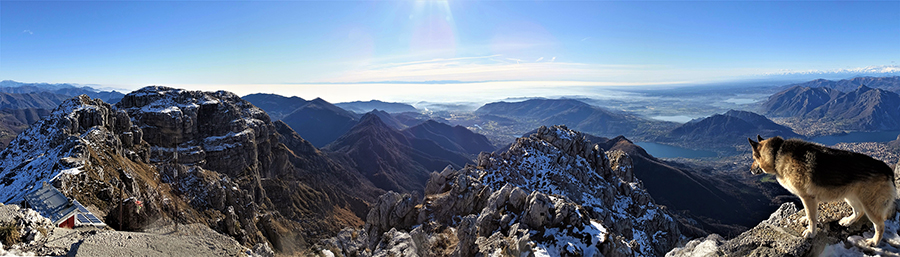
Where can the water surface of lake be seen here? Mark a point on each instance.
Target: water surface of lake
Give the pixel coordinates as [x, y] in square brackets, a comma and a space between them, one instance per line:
[856, 137]
[668, 151]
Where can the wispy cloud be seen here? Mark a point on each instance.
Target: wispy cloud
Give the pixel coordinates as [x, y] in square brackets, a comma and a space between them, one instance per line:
[29, 32]
[515, 60]
[585, 39]
[499, 68]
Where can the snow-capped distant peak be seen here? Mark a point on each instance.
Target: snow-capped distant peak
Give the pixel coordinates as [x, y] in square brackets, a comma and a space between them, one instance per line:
[880, 69]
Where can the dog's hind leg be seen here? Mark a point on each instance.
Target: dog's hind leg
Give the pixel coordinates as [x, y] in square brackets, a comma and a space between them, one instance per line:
[879, 228]
[857, 212]
[812, 207]
[878, 210]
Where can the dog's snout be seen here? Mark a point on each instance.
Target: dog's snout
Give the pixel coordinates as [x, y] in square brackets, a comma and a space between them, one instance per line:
[755, 171]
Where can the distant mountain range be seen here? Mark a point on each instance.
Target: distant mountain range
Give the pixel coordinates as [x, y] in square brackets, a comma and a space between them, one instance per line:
[39, 100]
[846, 85]
[574, 114]
[725, 131]
[67, 90]
[862, 109]
[871, 71]
[367, 106]
[277, 106]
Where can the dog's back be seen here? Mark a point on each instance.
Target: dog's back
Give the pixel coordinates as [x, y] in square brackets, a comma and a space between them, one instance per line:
[828, 167]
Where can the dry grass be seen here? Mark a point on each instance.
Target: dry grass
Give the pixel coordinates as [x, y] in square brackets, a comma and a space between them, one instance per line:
[9, 234]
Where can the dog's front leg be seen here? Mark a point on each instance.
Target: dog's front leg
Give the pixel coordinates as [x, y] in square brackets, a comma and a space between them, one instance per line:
[811, 205]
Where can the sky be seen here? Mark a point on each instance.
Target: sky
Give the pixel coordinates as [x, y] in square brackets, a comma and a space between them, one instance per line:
[408, 50]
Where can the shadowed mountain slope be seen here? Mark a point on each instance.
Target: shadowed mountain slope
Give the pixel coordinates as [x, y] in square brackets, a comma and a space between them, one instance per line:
[320, 122]
[456, 138]
[717, 203]
[391, 160]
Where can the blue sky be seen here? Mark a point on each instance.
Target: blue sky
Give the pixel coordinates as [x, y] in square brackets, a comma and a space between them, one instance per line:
[325, 48]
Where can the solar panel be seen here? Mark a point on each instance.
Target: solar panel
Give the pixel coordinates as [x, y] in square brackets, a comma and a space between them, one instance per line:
[81, 207]
[82, 219]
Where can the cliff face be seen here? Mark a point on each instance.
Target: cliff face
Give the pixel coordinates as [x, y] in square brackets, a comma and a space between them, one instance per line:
[202, 127]
[226, 155]
[552, 193]
[190, 157]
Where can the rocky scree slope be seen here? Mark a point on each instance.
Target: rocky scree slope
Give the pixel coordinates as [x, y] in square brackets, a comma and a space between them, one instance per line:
[551, 193]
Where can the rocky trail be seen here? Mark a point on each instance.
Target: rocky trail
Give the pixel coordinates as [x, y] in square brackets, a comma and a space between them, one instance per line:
[39, 238]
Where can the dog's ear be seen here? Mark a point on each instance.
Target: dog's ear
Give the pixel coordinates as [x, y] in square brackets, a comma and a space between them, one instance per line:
[759, 138]
[753, 144]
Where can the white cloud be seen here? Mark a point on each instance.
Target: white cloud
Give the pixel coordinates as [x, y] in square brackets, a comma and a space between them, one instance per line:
[553, 59]
[28, 31]
[539, 59]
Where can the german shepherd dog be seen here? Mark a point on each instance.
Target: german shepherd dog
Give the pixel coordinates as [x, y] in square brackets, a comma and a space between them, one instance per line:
[820, 174]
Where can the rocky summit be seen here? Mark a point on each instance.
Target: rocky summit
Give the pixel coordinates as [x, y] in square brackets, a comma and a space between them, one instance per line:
[780, 235]
[188, 157]
[552, 193]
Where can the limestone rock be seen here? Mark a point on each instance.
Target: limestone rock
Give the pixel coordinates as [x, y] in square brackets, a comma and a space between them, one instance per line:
[552, 192]
[781, 235]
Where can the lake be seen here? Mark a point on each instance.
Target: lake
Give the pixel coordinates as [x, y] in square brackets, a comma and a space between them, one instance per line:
[855, 137]
[673, 118]
[668, 151]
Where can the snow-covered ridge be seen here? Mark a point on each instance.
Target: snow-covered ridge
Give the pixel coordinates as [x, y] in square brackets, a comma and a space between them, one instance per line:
[551, 194]
[559, 161]
[58, 144]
